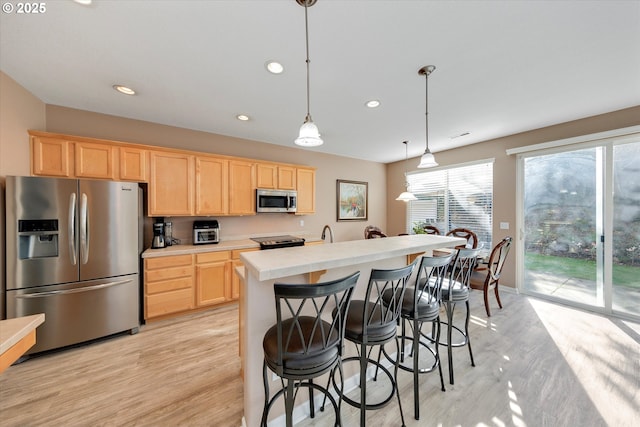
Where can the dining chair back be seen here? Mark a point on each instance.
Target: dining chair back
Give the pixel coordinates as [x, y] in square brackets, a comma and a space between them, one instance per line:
[486, 277]
[465, 233]
[431, 229]
[371, 228]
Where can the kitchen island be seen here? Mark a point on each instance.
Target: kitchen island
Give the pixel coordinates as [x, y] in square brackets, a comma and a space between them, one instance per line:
[309, 264]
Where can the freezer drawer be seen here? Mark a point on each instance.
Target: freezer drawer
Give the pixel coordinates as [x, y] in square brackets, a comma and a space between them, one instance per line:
[79, 312]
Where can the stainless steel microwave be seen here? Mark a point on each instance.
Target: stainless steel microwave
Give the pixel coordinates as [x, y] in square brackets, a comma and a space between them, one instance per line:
[276, 200]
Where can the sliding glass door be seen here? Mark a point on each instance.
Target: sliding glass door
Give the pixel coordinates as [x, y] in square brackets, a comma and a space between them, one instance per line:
[626, 228]
[580, 217]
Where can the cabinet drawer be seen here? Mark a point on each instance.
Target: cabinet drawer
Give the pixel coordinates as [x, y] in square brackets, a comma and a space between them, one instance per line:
[169, 273]
[169, 302]
[168, 285]
[235, 254]
[164, 262]
[212, 257]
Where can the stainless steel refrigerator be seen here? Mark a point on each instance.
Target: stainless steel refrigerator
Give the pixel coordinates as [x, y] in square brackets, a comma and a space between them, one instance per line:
[72, 252]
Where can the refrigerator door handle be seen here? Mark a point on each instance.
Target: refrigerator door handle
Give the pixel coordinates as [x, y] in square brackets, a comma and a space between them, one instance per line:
[72, 229]
[84, 229]
[73, 291]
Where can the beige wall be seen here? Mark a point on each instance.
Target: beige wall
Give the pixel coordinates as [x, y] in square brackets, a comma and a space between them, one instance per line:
[504, 170]
[19, 111]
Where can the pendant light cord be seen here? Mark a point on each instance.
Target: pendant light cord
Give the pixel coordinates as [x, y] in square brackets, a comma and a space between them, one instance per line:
[306, 27]
[426, 108]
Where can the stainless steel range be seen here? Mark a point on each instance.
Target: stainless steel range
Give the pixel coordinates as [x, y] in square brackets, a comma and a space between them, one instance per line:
[275, 242]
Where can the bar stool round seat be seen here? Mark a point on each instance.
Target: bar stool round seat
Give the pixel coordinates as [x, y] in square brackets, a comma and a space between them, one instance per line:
[306, 341]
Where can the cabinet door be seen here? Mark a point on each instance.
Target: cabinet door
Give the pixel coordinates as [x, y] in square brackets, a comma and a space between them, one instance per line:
[50, 156]
[171, 184]
[306, 185]
[93, 160]
[212, 186]
[266, 175]
[286, 178]
[242, 185]
[212, 278]
[133, 164]
[168, 285]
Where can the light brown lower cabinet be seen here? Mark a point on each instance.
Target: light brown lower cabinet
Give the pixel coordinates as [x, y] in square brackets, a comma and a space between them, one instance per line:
[168, 285]
[213, 274]
[178, 284]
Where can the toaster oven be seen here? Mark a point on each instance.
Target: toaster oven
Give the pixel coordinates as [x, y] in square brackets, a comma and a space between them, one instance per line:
[206, 232]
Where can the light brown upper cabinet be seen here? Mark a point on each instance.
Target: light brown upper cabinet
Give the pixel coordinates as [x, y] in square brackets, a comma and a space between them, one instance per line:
[94, 160]
[286, 178]
[50, 156]
[274, 176]
[306, 186]
[212, 186]
[133, 164]
[242, 186]
[171, 184]
[266, 175]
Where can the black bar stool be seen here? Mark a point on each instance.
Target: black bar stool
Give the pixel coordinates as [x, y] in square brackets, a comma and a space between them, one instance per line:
[302, 345]
[371, 323]
[455, 289]
[421, 304]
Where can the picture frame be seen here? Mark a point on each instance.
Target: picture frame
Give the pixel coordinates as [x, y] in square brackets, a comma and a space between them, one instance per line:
[352, 200]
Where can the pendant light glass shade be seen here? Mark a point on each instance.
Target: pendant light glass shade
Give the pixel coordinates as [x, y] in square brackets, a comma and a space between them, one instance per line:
[309, 135]
[406, 196]
[427, 160]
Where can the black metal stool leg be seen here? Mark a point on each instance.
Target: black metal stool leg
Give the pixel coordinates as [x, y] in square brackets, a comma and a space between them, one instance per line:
[466, 331]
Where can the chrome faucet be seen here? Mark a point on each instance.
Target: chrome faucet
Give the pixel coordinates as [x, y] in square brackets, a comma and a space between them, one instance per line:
[324, 231]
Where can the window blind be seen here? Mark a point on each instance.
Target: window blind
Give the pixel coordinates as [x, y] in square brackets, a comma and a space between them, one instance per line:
[454, 197]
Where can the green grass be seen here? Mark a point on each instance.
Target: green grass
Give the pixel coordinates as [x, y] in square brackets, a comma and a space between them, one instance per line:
[623, 275]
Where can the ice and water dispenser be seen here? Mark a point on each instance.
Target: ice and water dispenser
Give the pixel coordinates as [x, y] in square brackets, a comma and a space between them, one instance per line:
[37, 238]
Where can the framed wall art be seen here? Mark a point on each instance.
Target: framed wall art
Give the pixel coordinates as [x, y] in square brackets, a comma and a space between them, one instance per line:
[352, 200]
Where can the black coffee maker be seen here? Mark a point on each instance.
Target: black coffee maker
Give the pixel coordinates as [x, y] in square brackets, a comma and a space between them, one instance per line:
[158, 236]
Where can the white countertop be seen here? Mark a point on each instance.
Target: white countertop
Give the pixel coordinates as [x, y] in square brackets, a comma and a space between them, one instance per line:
[266, 265]
[13, 330]
[225, 245]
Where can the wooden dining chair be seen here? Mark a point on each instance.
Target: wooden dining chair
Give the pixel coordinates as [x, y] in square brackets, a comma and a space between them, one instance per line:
[431, 229]
[465, 233]
[369, 228]
[486, 276]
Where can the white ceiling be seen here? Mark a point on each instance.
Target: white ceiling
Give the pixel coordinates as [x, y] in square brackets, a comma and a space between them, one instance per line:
[503, 67]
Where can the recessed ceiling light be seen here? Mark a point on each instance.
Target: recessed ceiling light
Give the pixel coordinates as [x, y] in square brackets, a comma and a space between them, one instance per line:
[242, 117]
[373, 103]
[84, 2]
[124, 89]
[274, 67]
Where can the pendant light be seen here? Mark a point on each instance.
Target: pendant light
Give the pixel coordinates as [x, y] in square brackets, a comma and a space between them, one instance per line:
[309, 135]
[427, 160]
[406, 195]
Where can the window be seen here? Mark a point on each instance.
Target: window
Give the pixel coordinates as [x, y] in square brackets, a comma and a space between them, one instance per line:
[454, 197]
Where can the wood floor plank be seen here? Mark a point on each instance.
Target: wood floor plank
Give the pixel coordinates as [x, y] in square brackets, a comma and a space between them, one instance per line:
[537, 364]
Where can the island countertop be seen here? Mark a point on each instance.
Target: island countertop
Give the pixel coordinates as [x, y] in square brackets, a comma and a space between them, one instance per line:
[269, 264]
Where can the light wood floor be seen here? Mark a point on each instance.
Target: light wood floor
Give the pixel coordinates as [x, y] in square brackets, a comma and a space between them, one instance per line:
[537, 364]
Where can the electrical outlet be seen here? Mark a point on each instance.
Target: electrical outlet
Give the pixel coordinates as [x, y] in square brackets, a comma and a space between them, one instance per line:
[302, 223]
[504, 226]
